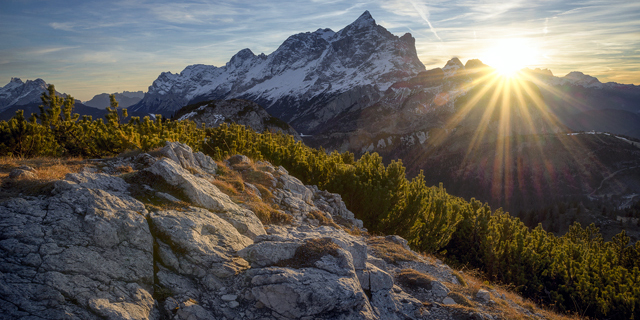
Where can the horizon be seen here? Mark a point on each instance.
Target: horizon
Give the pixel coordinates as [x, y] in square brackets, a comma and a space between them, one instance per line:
[85, 48]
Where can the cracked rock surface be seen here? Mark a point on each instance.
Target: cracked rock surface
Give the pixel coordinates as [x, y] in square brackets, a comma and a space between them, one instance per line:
[183, 249]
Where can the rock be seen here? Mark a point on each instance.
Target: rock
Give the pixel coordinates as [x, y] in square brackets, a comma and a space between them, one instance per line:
[22, 174]
[253, 189]
[144, 160]
[239, 159]
[206, 163]
[354, 245]
[101, 181]
[438, 289]
[483, 296]
[378, 279]
[229, 297]
[181, 154]
[399, 240]
[269, 253]
[202, 242]
[396, 306]
[202, 193]
[309, 292]
[448, 301]
[189, 310]
[82, 252]
[295, 186]
[333, 204]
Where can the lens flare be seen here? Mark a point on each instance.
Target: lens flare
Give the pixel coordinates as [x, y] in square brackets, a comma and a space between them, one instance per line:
[508, 56]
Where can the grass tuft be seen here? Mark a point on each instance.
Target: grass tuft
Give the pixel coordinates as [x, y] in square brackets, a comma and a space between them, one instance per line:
[413, 279]
[390, 251]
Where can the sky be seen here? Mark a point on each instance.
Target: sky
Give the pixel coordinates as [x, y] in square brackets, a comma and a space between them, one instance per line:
[89, 47]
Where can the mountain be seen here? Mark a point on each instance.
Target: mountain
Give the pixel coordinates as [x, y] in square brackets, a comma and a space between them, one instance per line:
[19, 95]
[125, 99]
[582, 102]
[17, 92]
[213, 113]
[307, 81]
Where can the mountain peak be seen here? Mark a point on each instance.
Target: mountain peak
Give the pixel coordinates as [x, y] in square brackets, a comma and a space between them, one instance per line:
[578, 76]
[365, 20]
[454, 62]
[16, 80]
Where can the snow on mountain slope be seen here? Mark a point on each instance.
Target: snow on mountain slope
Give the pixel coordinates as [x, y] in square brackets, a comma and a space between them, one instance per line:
[306, 73]
[17, 92]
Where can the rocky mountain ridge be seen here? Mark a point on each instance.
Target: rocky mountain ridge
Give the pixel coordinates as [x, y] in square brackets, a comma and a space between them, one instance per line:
[163, 242]
[17, 92]
[308, 80]
[125, 99]
[213, 113]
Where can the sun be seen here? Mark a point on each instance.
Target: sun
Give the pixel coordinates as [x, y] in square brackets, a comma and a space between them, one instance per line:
[508, 56]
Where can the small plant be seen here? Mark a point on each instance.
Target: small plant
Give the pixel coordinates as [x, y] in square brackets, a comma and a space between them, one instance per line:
[322, 218]
[460, 279]
[460, 299]
[413, 279]
[390, 251]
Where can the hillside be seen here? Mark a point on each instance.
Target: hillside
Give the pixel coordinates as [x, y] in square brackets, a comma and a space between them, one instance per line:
[179, 236]
[380, 196]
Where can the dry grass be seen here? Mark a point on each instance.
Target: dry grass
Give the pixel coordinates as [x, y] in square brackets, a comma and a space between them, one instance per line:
[322, 218]
[414, 280]
[46, 169]
[231, 183]
[390, 251]
[473, 281]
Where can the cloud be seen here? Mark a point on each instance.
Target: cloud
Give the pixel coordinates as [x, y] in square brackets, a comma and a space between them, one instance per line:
[66, 26]
[423, 11]
[411, 8]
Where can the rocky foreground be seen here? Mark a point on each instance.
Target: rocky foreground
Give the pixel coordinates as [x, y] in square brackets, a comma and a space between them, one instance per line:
[163, 242]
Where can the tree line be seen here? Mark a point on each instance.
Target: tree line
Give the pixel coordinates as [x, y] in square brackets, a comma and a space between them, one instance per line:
[577, 272]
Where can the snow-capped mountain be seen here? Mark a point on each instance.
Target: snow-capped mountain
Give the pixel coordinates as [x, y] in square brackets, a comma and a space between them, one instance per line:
[17, 92]
[307, 81]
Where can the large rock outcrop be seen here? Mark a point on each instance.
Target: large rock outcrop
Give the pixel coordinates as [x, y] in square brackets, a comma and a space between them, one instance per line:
[163, 242]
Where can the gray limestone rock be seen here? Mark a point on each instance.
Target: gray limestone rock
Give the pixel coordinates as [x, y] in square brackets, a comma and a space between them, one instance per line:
[269, 253]
[201, 242]
[204, 194]
[76, 255]
[20, 173]
[483, 296]
[309, 292]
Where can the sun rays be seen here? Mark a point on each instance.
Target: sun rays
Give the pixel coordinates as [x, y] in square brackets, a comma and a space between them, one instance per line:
[502, 115]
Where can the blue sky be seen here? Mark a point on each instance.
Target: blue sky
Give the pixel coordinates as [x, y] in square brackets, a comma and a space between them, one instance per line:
[89, 47]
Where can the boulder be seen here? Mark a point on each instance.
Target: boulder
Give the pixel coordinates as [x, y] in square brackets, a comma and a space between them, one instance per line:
[483, 296]
[201, 243]
[309, 292]
[23, 173]
[80, 254]
[204, 194]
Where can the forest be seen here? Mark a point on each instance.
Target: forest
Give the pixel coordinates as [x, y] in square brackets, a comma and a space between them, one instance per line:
[578, 272]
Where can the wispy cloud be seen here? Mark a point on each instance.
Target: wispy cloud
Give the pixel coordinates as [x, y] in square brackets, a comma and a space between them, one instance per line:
[66, 26]
[134, 40]
[423, 11]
